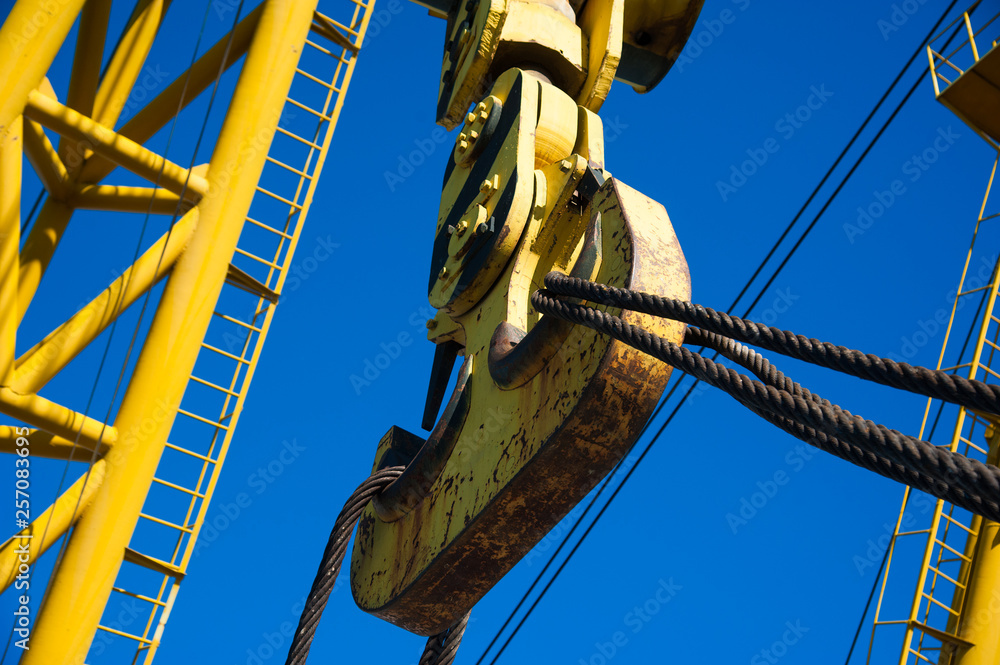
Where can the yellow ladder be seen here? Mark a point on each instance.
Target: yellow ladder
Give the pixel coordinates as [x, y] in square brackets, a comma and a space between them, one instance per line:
[931, 627]
[162, 546]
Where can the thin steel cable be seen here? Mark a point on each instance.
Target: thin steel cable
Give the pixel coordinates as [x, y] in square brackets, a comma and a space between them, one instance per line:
[761, 292]
[921, 380]
[963, 481]
[439, 650]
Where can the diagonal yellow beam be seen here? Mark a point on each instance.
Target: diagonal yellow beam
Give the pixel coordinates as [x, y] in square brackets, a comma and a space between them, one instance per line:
[122, 151]
[81, 585]
[30, 37]
[10, 237]
[44, 360]
[39, 246]
[86, 73]
[117, 198]
[127, 62]
[184, 90]
[24, 548]
[44, 157]
[49, 446]
[55, 418]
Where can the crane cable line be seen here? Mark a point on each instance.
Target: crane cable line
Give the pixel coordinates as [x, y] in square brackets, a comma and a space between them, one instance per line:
[692, 386]
[960, 480]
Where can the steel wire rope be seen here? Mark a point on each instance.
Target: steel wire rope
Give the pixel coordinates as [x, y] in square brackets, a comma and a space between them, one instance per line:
[761, 292]
[440, 649]
[930, 437]
[93, 457]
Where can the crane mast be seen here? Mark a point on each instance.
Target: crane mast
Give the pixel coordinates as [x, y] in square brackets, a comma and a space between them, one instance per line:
[234, 225]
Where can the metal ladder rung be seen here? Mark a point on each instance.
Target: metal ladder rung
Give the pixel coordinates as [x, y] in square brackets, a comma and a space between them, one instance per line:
[185, 529]
[278, 197]
[952, 550]
[921, 656]
[337, 24]
[956, 367]
[987, 368]
[178, 487]
[286, 167]
[122, 633]
[247, 254]
[244, 324]
[938, 603]
[213, 423]
[212, 385]
[139, 596]
[152, 563]
[225, 353]
[297, 138]
[938, 573]
[954, 521]
[321, 49]
[912, 533]
[989, 217]
[192, 453]
[306, 108]
[981, 288]
[287, 236]
[328, 86]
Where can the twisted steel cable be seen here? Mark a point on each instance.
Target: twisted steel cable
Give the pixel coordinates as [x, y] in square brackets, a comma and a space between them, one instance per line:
[963, 481]
[921, 380]
[440, 648]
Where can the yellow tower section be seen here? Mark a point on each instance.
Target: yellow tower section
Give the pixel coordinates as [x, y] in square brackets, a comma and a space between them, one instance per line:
[954, 614]
[234, 226]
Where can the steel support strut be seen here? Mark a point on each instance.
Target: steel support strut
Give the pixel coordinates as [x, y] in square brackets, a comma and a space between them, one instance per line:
[83, 582]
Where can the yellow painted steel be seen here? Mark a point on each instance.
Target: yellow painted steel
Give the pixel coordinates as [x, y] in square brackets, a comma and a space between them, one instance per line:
[946, 616]
[81, 586]
[970, 72]
[200, 256]
[45, 444]
[44, 360]
[10, 237]
[50, 525]
[980, 603]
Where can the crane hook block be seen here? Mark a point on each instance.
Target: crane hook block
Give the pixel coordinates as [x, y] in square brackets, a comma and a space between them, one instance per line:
[542, 410]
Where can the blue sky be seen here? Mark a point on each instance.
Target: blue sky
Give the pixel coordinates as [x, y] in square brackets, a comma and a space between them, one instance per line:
[724, 590]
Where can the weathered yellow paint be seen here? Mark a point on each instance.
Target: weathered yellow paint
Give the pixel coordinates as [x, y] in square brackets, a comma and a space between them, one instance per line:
[601, 21]
[531, 447]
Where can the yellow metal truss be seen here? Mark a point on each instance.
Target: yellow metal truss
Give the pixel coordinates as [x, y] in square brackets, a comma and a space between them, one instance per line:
[225, 258]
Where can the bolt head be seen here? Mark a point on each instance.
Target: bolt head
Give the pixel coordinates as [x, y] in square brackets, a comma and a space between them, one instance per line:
[443, 273]
[481, 229]
[461, 227]
[431, 324]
